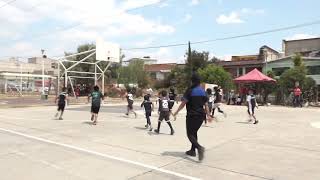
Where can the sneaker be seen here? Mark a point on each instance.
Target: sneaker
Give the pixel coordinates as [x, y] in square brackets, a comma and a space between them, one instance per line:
[146, 126]
[249, 120]
[92, 117]
[60, 118]
[157, 131]
[191, 153]
[201, 151]
[172, 132]
[127, 114]
[150, 128]
[256, 122]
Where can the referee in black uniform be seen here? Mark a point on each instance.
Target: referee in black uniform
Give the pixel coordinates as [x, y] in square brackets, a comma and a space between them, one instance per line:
[197, 111]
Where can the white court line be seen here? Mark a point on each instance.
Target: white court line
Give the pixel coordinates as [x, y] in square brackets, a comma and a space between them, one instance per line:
[102, 155]
[315, 124]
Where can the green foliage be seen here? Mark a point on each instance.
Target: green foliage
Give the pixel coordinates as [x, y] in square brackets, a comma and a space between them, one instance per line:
[179, 79]
[197, 60]
[213, 74]
[134, 73]
[297, 60]
[296, 74]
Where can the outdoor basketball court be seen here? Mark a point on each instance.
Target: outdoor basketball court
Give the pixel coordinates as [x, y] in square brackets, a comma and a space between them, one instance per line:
[284, 145]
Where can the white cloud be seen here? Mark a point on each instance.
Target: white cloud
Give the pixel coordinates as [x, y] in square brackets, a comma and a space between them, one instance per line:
[236, 17]
[105, 19]
[22, 49]
[300, 36]
[194, 2]
[232, 18]
[145, 42]
[187, 18]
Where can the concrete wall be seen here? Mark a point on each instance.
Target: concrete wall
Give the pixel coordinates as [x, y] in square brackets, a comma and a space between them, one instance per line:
[288, 63]
[292, 47]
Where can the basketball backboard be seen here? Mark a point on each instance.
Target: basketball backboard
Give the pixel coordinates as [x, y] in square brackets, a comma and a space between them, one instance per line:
[106, 51]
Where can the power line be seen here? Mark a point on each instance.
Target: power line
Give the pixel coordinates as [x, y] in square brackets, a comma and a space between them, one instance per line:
[7, 3]
[230, 37]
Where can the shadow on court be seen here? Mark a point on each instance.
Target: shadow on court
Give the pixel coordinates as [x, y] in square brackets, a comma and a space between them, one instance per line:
[178, 154]
[244, 122]
[88, 123]
[106, 109]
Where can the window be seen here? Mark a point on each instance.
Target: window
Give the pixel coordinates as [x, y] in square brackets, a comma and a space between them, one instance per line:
[279, 71]
[240, 71]
[313, 70]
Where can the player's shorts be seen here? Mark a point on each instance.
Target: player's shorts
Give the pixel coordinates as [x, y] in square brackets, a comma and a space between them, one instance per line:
[148, 113]
[251, 110]
[95, 109]
[216, 105]
[171, 105]
[130, 106]
[210, 105]
[164, 115]
[61, 106]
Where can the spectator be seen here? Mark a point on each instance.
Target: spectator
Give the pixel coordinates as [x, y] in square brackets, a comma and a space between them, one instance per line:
[297, 97]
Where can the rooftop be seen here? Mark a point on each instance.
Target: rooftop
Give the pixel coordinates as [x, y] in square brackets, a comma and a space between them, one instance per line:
[159, 67]
[239, 63]
[316, 38]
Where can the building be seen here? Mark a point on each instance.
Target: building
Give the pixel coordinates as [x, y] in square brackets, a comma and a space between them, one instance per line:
[19, 75]
[281, 65]
[159, 71]
[146, 60]
[32, 66]
[240, 65]
[303, 46]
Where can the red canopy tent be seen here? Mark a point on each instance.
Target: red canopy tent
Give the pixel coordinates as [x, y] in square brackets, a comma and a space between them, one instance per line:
[254, 76]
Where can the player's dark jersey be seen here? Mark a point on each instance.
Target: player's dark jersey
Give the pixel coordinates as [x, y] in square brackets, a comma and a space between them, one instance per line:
[253, 100]
[172, 96]
[218, 97]
[96, 98]
[164, 104]
[130, 98]
[147, 105]
[196, 98]
[62, 98]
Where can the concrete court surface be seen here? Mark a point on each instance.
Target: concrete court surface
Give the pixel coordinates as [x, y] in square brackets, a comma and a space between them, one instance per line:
[285, 145]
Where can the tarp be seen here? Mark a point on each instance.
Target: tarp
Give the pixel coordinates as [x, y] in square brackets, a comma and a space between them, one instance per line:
[253, 77]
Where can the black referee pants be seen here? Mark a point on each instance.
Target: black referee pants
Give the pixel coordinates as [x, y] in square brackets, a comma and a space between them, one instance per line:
[193, 125]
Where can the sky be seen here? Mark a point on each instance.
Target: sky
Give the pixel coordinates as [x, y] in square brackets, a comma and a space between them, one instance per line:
[59, 26]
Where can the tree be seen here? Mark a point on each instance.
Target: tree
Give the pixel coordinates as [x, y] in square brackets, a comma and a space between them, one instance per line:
[197, 60]
[214, 59]
[178, 78]
[296, 74]
[216, 75]
[297, 60]
[134, 73]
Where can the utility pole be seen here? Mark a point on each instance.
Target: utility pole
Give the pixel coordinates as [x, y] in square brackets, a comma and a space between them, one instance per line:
[42, 52]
